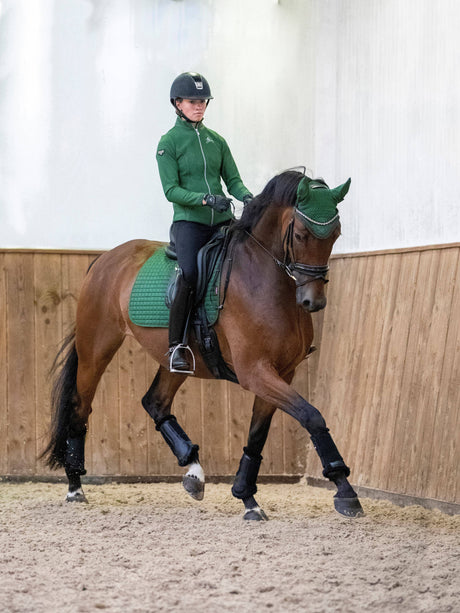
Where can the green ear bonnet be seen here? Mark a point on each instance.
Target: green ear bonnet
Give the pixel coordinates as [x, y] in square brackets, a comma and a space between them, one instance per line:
[316, 205]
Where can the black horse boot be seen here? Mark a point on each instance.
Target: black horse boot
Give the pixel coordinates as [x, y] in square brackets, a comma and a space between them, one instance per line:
[181, 356]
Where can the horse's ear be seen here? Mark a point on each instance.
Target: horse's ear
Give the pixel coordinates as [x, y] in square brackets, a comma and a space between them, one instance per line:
[303, 190]
[339, 193]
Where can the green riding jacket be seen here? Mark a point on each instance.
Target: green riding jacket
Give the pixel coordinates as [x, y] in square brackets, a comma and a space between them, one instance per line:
[191, 160]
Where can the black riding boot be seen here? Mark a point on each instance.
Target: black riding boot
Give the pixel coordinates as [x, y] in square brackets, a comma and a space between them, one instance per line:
[181, 356]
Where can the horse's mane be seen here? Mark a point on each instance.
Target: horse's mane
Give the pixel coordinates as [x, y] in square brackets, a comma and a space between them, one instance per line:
[280, 191]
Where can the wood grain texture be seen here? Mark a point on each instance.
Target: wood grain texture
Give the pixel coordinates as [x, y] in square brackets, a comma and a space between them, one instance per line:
[4, 405]
[386, 378]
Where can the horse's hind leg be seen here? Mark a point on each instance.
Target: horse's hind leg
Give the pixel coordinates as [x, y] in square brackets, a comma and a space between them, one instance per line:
[157, 402]
[244, 486]
[84, 359]
[95, 351]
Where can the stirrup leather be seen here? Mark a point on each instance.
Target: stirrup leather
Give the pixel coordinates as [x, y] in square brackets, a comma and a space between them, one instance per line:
[172, 352]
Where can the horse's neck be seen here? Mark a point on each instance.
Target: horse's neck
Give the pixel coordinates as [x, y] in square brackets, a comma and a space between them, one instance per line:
[256, 259]
[269, 232]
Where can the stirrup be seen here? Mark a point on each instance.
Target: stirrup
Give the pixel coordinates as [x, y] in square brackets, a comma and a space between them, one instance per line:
[172, 351]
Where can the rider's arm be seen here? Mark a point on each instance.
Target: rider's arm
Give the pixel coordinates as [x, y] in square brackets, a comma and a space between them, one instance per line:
[169, 176]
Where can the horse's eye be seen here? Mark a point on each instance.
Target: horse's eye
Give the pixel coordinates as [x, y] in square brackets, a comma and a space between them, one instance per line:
[298, 236]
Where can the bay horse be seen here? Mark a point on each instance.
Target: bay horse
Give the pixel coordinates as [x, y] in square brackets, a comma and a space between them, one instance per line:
[277, 262]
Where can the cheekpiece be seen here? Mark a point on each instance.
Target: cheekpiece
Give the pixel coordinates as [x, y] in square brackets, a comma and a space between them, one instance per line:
[316, 205]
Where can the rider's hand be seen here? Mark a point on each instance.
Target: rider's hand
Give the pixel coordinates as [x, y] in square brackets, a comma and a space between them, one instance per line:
[216, 202]
[247, 199]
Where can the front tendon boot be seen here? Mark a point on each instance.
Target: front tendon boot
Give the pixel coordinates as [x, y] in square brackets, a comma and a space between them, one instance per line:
[181, 358]
[179, 443]
[346, 500]
[244, 486]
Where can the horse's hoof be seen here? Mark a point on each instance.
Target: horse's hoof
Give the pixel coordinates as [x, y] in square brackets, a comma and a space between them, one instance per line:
[77, 496]
[193, 486]
[255, 514]
[350, 507]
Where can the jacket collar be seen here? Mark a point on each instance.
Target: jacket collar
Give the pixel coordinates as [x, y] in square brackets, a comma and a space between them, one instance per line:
[188, 125]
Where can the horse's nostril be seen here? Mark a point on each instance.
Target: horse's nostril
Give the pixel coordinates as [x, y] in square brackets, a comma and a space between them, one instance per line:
[313, 306]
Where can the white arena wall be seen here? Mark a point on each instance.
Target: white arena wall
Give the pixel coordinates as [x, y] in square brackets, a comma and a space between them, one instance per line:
[362, 88]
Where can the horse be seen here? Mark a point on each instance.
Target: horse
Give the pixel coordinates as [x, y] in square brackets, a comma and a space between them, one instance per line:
[273, 278]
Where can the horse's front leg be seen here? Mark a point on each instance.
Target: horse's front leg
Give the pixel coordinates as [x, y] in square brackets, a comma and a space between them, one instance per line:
[244, 486]
[157, 402]
[266, 383]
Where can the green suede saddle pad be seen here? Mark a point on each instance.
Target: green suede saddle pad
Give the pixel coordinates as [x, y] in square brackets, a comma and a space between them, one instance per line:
[148, 302]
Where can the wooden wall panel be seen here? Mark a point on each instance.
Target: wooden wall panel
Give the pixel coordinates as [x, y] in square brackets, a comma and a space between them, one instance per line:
[215, 412]
[21, 364]
[48, 335]
[239, 420]
[105, 424]
[4, 407]
[132, 384]
[444, 471]
[386, 378]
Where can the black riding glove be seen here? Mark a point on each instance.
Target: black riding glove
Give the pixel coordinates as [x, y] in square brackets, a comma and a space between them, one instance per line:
[218, 203]
[247, 199]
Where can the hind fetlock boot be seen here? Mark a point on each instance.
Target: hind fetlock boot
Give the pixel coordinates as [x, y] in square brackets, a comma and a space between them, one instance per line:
[181, 356]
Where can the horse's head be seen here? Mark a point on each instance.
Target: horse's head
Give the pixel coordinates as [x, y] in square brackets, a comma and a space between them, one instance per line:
[310, 236]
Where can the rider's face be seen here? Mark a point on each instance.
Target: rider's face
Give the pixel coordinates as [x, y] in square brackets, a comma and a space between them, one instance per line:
[192, 109]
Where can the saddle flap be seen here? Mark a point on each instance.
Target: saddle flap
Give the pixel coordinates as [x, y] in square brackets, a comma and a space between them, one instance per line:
[208, 258]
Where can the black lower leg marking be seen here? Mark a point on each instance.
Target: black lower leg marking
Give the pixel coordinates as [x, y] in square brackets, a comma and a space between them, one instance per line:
[252, 511]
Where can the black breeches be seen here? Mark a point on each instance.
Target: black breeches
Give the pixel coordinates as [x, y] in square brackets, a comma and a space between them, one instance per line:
[189, 238]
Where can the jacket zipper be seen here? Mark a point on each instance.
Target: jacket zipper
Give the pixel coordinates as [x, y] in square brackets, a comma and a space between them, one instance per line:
[205, 178]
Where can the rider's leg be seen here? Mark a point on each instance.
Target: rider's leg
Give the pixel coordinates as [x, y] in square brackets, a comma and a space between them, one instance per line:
[189, 238]
[179, 317]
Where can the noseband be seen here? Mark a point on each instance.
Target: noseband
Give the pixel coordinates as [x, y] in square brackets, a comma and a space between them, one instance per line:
[289, 265]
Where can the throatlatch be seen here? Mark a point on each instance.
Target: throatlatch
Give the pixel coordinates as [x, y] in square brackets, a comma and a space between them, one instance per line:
[180, 444]
[244, 485]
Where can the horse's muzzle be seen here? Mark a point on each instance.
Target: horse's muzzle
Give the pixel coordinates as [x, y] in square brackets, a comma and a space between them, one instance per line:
[310, 301]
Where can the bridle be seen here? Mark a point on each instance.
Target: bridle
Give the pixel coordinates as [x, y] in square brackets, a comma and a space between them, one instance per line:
[289, 264]
[312, 272]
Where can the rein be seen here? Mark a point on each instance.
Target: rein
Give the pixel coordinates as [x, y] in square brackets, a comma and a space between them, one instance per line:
[289, 265]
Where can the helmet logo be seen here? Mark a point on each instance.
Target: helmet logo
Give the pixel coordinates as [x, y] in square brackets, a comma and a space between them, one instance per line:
[198, 81]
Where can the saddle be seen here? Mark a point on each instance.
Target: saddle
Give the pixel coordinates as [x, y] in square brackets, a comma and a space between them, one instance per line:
[153, 293]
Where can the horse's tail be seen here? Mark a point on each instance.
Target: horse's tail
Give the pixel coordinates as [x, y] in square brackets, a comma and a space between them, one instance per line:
[62, 402]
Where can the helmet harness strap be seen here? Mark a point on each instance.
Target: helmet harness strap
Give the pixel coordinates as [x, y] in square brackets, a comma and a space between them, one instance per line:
[181, 114]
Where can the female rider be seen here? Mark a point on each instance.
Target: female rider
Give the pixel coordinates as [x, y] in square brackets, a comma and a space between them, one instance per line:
[192, 160]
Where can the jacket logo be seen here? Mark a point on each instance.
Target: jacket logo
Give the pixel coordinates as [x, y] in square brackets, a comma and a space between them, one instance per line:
[209, 139]
[161, 151]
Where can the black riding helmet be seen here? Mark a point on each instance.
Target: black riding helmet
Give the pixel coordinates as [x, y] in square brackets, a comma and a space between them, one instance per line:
[190, 86]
